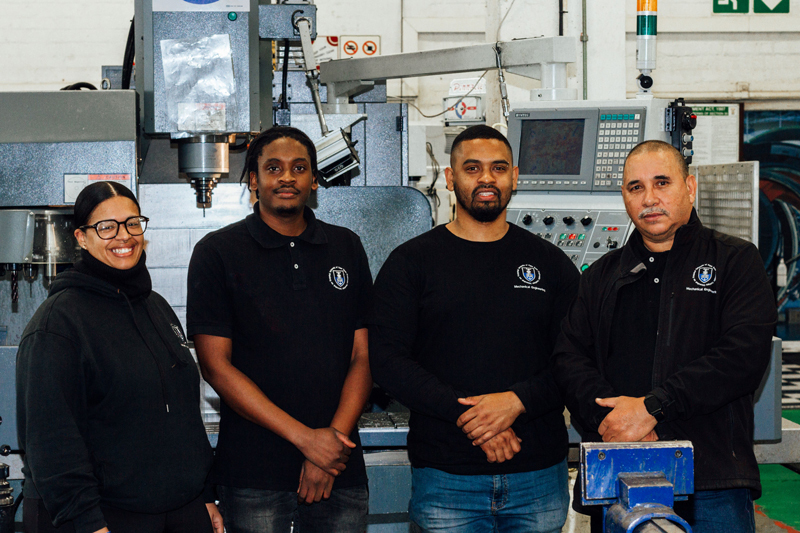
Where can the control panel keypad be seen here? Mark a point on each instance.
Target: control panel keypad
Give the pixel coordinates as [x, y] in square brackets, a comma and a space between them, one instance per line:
[618, 132]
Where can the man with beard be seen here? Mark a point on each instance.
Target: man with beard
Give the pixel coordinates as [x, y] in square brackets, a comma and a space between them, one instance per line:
[669, 337]
[462, 332]
[292, 386]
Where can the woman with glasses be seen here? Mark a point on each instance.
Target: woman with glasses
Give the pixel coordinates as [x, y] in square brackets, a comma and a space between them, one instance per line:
[108, 393]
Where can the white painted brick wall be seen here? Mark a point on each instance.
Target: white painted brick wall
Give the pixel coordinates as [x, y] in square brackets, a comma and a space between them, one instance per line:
[46, 44]
[703, 55]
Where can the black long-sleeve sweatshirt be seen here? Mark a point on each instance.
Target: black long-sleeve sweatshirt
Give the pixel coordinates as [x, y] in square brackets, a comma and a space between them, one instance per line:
[456, 318]
[108, 405]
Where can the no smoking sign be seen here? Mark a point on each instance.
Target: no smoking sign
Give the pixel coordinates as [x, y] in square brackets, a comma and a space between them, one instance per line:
[359, 46]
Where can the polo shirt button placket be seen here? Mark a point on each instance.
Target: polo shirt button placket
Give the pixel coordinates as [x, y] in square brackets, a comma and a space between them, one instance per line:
[298, 278]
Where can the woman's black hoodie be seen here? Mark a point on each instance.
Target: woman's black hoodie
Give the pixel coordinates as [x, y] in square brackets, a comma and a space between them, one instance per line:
[108, 404]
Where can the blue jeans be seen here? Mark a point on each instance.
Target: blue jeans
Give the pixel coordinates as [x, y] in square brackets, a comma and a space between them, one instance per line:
[719, 511]
[274, 511]
[529, 501]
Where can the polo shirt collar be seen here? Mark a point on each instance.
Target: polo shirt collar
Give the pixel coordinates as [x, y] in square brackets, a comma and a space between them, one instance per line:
[269, 238]
[635, 251]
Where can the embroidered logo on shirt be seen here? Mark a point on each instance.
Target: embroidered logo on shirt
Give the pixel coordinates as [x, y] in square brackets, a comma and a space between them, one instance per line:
[705, 275]
[529, 274]
[178, 333]
[338, 278]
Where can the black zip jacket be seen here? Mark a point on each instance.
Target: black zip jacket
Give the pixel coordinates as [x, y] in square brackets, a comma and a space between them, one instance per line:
[716, 320]
[108, 405]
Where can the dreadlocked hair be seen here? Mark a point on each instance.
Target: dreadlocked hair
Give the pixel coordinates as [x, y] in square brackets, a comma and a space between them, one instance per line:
[273, 134]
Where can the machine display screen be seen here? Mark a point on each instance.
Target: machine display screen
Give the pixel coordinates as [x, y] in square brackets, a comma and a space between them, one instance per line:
[551, 147]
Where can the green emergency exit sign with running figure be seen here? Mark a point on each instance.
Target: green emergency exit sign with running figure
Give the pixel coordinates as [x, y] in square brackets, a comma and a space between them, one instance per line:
[743, 6]
[731, 6]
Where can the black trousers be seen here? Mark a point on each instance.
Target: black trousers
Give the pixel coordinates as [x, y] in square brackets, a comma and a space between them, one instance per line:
[191, 518]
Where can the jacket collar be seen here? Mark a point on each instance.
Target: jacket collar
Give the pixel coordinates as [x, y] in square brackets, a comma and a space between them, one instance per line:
[269, 238]
[686, 234]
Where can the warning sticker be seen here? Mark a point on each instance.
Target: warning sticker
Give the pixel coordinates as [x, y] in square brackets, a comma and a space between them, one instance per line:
[350, 48]
[326, 48]
[369, 48]
[359, 46]
[75, 183]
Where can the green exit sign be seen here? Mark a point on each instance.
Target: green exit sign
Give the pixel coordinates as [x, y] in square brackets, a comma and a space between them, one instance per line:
[743, 6]
[732, 6]
[770, 6]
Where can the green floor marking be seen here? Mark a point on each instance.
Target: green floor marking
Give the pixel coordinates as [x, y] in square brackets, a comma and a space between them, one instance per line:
[781, 487]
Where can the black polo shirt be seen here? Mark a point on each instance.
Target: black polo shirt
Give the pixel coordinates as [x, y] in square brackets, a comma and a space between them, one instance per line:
[635, 328]
[291, 305]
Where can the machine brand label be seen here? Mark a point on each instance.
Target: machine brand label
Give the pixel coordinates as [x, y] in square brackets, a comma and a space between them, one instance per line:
[529, 275]
[338, 278]
[704, 276]
[201, 5]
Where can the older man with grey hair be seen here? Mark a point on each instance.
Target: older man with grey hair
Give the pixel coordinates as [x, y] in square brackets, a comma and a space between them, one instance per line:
[669, 337]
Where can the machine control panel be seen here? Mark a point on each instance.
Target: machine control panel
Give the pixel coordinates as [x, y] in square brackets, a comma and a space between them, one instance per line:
[618, 134]
[584, 235]
[574, 149]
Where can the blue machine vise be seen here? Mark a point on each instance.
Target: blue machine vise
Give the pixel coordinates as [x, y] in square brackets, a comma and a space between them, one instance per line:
[638, 483]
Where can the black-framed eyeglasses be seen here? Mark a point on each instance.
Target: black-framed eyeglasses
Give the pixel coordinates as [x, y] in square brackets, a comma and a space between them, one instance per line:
[109, 229]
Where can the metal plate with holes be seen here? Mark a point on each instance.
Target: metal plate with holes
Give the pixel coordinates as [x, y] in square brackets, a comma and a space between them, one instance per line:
[604, 462]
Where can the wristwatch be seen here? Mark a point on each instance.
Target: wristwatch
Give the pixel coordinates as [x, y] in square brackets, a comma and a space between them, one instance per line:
[653, 406]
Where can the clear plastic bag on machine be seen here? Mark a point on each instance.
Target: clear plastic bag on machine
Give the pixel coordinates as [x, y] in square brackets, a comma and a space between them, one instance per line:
[200, 87]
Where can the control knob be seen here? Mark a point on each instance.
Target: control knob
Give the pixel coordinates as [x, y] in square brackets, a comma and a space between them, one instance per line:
[527, 219]
[611, 243]
[568, 220]
[548, 220]
[586, 220]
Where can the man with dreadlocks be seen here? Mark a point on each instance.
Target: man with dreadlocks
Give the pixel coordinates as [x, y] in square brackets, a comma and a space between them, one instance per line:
[292, 386]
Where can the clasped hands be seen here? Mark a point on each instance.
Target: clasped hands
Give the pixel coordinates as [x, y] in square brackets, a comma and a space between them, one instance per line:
[628, 420]
[488, 424]
[326, 452]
